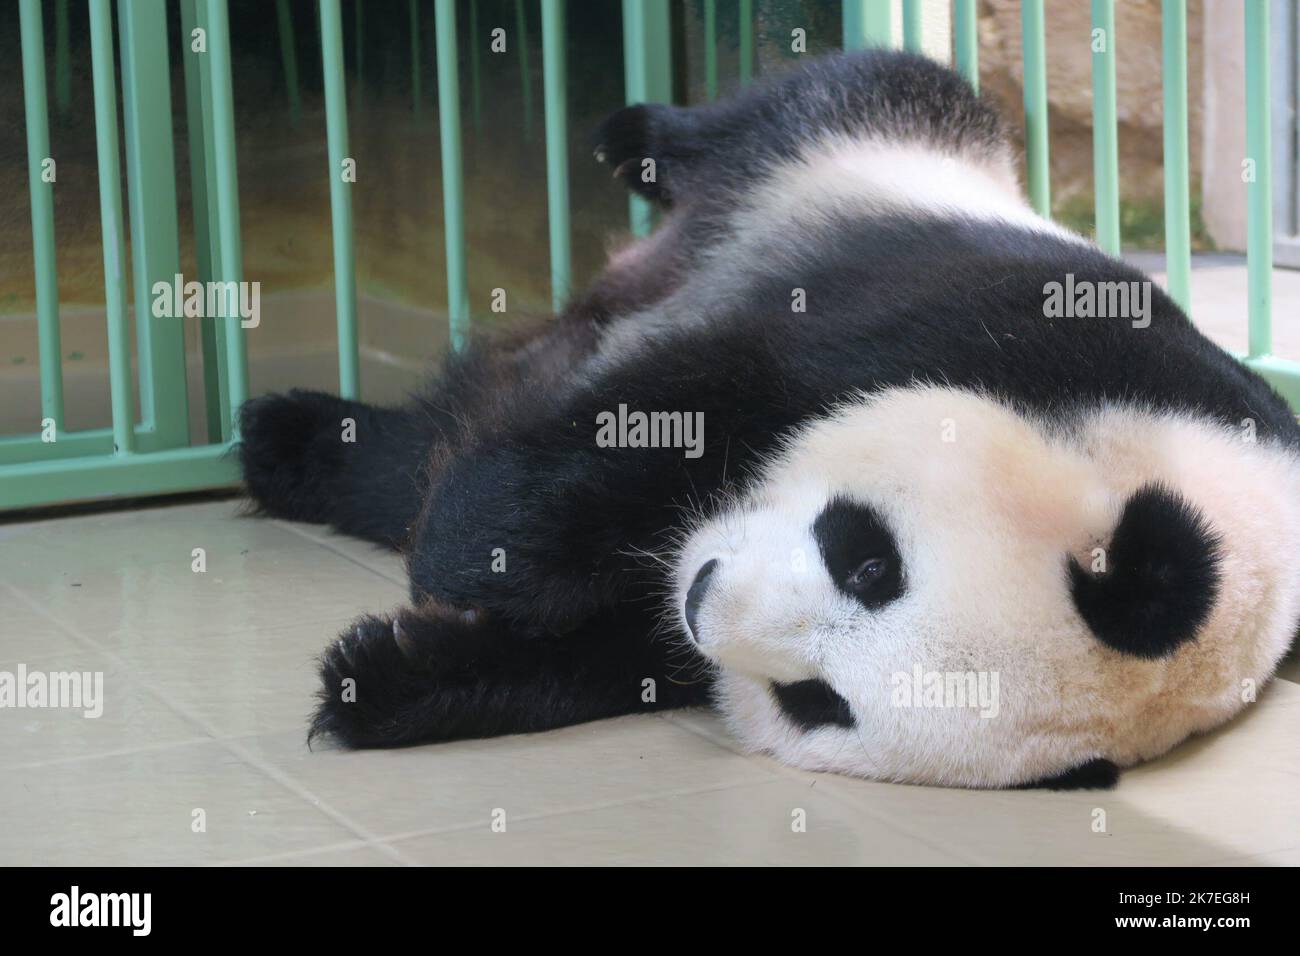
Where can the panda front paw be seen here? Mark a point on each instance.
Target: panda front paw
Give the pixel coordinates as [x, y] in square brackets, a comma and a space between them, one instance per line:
[385, 680]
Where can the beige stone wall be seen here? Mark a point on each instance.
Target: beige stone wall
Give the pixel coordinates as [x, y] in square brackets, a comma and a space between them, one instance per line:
[1069, 89]
[1223, 146]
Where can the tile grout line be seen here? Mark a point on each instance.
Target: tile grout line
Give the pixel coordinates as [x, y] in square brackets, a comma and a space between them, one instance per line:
[404, 835]
[564, 811]
[323, 543]
[782, 772]
[570, 811]
[232, 744]
[356, 844]
[229, 744]
[293, 786]
[117, 752]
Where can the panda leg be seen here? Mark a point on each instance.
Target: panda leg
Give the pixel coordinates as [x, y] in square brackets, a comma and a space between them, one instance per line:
[557, 521]
[433, 673]
[310, 456]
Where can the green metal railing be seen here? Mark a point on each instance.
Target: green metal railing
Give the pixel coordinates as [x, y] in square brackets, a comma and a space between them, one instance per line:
[152, 452]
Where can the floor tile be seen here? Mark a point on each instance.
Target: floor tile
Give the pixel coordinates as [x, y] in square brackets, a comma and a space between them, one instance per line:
[1236, 786]
[777, 822]
[356, 855]
[130, 717]
[140, 809]
[395, 792]
[1290, 857]
[239, 684]
[241, 589]
[707, 723]
[1186, 808]
[383, 561]
[26, 632]
[53, 554]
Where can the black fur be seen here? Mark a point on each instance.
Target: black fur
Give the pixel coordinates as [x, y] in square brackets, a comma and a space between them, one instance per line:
[448, 674]
[1161, 577]
[534, 604]
[298, 466]
[849, 533]
[712, 152]
[810, 704]
[1096, 774]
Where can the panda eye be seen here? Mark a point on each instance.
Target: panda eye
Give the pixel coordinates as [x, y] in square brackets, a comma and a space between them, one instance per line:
[868, 573]
[859, 552]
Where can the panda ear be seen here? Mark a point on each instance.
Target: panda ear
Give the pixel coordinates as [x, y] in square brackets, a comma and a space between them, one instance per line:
[1160, 579]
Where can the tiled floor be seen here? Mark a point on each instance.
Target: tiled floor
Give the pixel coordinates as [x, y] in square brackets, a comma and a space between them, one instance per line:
[199, 755]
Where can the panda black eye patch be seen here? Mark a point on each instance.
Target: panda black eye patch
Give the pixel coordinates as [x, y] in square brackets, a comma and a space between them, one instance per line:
[859, 552]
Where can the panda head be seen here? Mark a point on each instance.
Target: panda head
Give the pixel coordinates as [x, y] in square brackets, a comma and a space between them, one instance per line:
[927, 586]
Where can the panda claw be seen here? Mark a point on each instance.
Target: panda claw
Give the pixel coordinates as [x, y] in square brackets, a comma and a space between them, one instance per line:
[402, 639]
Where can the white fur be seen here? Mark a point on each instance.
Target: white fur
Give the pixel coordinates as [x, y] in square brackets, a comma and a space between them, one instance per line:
[797, 202]
[984, 524]
[868, 178]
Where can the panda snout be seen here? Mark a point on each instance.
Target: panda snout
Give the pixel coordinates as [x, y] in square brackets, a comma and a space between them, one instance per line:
[695, 596]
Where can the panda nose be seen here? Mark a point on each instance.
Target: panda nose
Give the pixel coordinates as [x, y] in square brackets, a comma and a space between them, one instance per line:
[695, 595]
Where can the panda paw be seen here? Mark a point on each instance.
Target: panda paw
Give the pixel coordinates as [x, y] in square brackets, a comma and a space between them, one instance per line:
[631, 137]
[386, 678]
[285, 455]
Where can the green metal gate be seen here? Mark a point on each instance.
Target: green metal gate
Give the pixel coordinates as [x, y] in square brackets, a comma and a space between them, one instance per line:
[153, 452]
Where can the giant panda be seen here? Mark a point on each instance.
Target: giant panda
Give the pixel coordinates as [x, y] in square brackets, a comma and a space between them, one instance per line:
[911, 466]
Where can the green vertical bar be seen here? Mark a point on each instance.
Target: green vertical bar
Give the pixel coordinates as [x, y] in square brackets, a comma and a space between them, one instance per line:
[1178, 229]
[62, 59]
[288, 58]
[966, 41]
[912, 37]
[711, 49]
[1259, 210]
[42, 199]
[746, 41]
[198, 126]
[867, 23]
[525, 71]
[227, 191]
[345, 270]
[1105, 136]
[110, 214]
[415, 55]
[453, 180]
[647, 75]
[1034, 45]
[557, 148]
[475, 79]
[151, 192]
